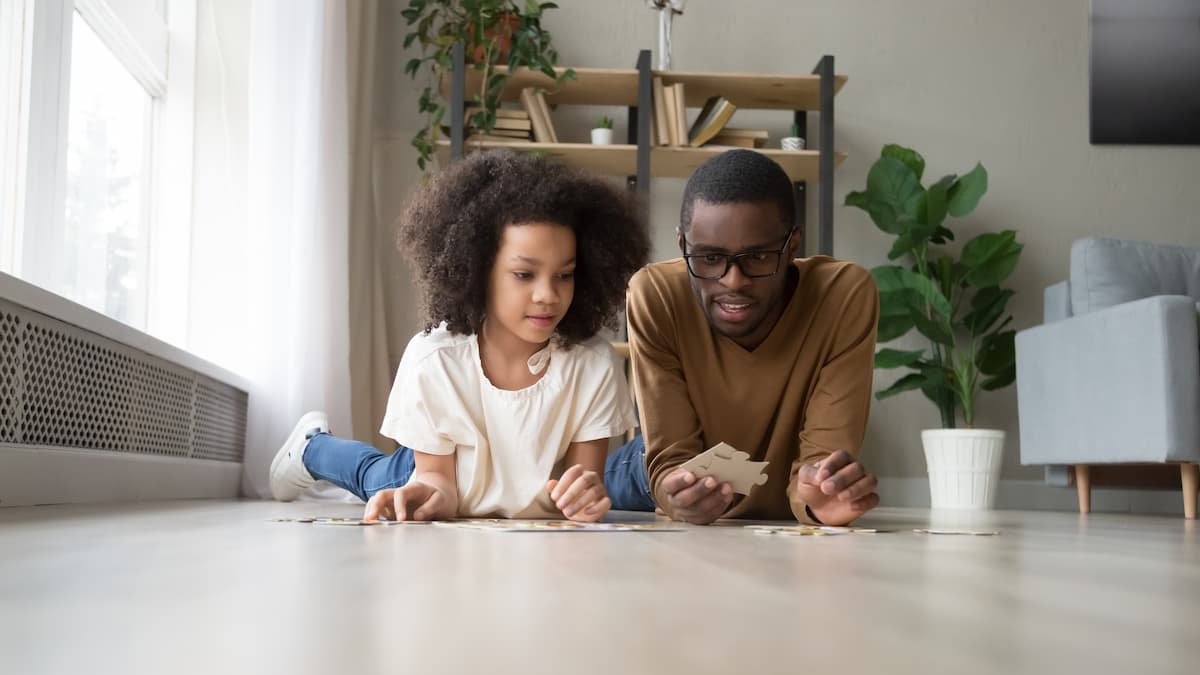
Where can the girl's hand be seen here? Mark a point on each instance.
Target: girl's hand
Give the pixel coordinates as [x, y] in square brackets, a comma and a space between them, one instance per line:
[415, 501]
[580, 494]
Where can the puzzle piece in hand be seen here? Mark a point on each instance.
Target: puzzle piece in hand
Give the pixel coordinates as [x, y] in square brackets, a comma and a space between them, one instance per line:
[728, 464]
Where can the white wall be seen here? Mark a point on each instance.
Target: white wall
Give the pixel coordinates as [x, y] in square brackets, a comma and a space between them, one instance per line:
[1005, 83]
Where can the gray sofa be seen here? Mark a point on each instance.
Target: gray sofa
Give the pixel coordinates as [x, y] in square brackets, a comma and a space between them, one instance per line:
[1113, 375]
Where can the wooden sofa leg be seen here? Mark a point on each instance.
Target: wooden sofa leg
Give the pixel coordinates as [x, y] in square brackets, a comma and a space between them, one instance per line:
[1190, 473]
[1083, 485]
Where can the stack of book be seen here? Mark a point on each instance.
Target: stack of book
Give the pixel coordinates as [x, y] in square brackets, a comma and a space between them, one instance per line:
[671, 129]
[512, 125]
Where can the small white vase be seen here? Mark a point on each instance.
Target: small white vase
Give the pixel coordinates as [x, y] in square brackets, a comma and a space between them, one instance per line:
[791, 143]
[602, 136]
[964, 467]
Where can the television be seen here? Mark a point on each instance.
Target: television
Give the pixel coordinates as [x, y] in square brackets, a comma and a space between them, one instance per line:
[1145, 72]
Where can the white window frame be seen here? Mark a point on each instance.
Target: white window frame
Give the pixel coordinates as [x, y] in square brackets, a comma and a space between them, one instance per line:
[35, 70]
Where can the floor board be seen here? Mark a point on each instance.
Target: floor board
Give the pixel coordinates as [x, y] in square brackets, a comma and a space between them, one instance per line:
[211, 586]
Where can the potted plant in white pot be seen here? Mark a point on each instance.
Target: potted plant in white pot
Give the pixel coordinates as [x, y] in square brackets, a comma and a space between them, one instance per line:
[603, 133]
[958, 305]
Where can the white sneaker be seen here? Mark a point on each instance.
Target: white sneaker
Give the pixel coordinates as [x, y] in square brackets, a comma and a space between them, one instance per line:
[288, 476]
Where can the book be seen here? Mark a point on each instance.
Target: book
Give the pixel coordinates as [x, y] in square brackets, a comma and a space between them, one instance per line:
[681, 130]
[492, 138]
[660, 112]
[539, 115]
[510, 133]
[505, 113]
[669, 114]
[712, 118]
[513, 124]
[741, 138]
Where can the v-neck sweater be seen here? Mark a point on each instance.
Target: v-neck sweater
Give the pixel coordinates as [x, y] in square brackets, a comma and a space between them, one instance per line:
[800, 395]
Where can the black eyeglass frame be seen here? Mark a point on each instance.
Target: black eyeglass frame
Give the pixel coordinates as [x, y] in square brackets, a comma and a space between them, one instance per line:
[735, 259]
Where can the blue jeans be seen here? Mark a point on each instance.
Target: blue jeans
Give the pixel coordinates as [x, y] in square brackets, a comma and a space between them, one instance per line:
[363, 470]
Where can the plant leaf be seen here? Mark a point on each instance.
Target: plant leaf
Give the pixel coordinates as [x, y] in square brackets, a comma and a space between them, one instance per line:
[986, 307]
[967, 191]
[889, 278]
[906, 383]
[997, 353]
[932, 329]
[991, 257]
[911, 158]
[895, 358]
[891, 182]
[1000, 380]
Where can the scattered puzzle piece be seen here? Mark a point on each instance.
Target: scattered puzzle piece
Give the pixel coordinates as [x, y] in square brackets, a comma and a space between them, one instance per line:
[728, 464]
[810, 530]
[973, 533]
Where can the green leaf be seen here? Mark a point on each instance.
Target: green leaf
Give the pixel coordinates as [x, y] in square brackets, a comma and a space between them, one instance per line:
[891, 182]
[882, 214]
[906, 383]
[1000, 380]
[967, 191]
[412, 67]
[986, 307]
[933, 329]
[889, 278]
[895, 358]
[941, 235]
[911, 158]
[935, 204]
[991, 257]
[997, 353]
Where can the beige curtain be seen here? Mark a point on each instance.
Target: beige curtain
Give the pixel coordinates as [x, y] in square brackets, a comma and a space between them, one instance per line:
[379, 288]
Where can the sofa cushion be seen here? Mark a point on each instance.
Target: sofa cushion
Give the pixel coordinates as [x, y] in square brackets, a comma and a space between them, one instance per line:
[1107, 272]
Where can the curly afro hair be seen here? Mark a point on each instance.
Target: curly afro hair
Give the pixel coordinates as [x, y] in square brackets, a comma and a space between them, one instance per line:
[737, 176]
[451, 232]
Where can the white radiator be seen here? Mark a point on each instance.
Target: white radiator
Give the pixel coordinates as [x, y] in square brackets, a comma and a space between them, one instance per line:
[92, 410]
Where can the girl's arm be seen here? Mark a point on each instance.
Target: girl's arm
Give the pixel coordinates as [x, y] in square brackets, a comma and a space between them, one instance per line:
[579, 493]
[430, 494]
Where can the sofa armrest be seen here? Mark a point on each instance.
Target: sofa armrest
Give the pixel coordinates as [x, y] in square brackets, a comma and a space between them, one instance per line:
[1118, 385]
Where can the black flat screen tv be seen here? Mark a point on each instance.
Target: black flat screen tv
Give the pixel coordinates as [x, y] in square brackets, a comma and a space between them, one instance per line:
[1145, 72]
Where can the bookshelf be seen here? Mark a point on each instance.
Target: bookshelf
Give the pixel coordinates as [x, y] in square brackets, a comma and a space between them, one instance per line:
[638, 159]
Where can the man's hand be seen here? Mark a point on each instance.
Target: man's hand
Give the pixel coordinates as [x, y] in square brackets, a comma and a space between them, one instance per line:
[579, 494]
[695, 501]
[415, 501]
[837, 489]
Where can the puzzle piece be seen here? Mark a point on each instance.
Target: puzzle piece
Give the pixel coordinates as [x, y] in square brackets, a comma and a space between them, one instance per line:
[728, 464]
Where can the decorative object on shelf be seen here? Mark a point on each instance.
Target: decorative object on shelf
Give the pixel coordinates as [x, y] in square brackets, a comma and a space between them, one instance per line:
[958, 305]
[793, 142]
[667, 9]
[602, 134]
[492, 32]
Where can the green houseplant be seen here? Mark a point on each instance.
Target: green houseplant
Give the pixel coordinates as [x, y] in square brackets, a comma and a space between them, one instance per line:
[957, 303]
[492, 32]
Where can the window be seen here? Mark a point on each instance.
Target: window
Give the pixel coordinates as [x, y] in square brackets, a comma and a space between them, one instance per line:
[95, 153]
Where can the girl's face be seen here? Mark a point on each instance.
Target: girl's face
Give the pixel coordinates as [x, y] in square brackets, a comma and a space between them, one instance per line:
[533, 280]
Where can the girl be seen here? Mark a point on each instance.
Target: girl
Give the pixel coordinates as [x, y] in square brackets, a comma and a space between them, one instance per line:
[505, 403]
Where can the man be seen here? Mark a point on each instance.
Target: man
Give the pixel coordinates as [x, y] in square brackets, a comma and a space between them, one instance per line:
[738, 342]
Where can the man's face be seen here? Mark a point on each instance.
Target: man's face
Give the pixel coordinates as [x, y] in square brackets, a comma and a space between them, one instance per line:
[739, 307]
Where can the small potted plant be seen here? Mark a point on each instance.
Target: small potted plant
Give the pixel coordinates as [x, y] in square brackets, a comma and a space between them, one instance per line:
[492, 32]
[602, 134]
[793, 142]
[958, 305]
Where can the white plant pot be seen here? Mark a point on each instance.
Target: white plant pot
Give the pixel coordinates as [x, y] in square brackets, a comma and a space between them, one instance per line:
[964, 467]
[791, 143]
[602, 136]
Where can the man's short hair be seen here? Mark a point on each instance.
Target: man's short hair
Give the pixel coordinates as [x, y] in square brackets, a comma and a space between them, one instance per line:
[739, 176]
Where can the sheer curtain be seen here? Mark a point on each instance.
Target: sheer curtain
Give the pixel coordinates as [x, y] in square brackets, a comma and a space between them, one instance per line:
[271, 279]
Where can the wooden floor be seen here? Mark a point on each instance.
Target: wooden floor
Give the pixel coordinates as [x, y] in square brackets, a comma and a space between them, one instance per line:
[214, 587]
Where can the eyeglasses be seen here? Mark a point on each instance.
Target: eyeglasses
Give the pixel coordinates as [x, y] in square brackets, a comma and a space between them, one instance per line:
[753, 264]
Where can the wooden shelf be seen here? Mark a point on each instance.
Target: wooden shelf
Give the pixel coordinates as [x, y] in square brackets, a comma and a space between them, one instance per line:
[614, 86]
[669, 162]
